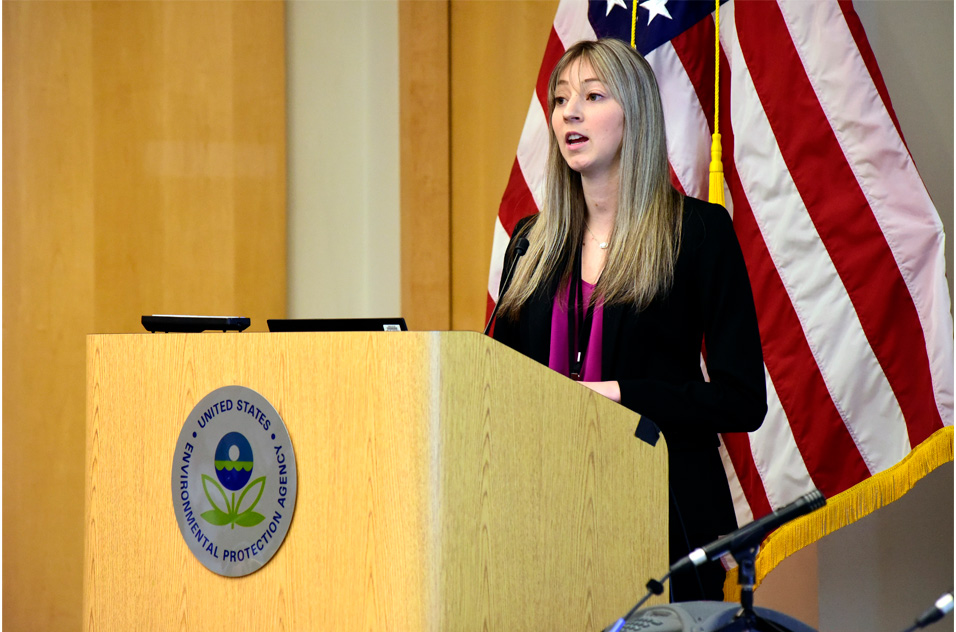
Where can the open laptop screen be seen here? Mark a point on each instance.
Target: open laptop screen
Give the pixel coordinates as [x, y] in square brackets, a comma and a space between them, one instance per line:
[337, 324]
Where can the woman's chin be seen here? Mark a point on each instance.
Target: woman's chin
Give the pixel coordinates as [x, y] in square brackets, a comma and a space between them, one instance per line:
[579, 164]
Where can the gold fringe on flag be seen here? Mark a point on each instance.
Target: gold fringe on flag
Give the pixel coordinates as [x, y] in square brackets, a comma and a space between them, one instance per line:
[716, 193]
[849, 506]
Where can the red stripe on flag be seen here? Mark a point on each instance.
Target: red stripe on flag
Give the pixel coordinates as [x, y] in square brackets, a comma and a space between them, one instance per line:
[738, 448]
[552, 53]
[517, 201]
[829, 452]
[841, 214]
[863, 44]
[691, 47]
[792, 367]
[675, 181]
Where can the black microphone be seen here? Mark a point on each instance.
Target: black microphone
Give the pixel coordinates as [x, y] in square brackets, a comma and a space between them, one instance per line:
[521, 247]
[752, 534]
[942, 607]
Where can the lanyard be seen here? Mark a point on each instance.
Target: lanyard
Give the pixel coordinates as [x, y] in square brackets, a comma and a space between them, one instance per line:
[580, 319]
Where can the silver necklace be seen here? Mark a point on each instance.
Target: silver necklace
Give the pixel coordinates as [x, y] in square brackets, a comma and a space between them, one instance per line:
[601, 244]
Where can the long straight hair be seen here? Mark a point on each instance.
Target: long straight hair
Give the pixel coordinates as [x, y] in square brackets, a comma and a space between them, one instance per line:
[645, 239]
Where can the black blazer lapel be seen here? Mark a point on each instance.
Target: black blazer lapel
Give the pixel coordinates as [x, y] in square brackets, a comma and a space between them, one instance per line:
[614, 318]
[537, 327]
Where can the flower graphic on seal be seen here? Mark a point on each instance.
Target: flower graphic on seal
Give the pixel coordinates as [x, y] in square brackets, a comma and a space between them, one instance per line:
[234, 463]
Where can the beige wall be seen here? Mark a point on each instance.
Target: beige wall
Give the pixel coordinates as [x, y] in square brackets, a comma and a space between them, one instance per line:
[343, 158]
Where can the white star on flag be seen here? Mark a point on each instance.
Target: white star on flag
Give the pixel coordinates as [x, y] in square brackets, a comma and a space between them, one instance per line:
[615, 3]
[655, 8]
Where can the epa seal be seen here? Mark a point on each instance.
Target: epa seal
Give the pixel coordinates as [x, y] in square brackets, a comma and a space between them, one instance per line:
[234, 481]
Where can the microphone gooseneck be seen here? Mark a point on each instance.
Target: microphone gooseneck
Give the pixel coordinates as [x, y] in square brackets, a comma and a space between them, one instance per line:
[942, 607]
[749, 536]
[521, 247]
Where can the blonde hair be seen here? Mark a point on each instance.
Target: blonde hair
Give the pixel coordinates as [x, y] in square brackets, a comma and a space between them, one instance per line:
[646, 236]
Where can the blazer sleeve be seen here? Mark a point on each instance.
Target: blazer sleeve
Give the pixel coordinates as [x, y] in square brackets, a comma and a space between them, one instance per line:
[735, 398]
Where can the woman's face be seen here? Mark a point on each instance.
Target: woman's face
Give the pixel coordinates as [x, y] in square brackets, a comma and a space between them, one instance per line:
[588, 122]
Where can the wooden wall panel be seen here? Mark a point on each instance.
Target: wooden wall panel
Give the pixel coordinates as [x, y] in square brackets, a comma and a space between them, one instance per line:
[496, 51]
[200, 141]
[425, 176]
[468, 69]
[48, 277]
[144, 172]
[259, 137]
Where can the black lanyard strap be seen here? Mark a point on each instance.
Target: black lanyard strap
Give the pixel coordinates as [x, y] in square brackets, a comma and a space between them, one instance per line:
[580, 320]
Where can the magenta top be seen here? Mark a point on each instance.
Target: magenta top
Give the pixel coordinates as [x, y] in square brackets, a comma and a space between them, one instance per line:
[559, 336]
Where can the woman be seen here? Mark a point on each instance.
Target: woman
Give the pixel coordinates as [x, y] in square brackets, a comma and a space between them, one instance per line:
[625, 280]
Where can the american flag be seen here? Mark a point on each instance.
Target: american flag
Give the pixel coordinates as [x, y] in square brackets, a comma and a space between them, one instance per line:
[842, 243]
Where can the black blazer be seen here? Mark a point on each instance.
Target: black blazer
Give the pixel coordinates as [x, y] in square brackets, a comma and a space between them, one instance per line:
[655, 356]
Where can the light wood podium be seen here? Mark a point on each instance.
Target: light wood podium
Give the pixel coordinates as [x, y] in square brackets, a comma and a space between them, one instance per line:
[445, 482]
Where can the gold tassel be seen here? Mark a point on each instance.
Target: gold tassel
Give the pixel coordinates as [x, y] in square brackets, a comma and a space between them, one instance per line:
[716, 193]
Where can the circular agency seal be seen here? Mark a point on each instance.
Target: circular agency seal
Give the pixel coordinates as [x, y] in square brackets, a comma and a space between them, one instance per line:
[234, 481]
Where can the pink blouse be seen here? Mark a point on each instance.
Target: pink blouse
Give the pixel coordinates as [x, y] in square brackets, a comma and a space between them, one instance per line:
[558, 359]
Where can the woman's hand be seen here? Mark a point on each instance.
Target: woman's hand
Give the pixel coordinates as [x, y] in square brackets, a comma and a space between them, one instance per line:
[611, 390]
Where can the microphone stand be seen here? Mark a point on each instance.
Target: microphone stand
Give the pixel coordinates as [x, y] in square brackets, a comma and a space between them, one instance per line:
[747, 620]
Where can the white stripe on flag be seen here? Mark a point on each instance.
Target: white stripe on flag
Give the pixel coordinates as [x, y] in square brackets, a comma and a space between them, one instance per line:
[498, 247]
[688, 135]
[571, 23]
[533, 150]
[853, 375]
[741, 506]
[784, 474]
[901, 205]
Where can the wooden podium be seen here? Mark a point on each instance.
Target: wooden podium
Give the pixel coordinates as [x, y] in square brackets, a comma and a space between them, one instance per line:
[445, 482]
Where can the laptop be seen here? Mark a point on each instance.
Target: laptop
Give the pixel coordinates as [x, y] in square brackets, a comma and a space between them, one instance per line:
[337, 324]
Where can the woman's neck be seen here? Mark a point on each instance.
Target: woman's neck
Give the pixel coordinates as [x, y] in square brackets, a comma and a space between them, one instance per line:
[600, 197]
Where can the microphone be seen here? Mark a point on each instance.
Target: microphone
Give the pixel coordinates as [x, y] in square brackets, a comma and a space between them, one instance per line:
[742, 540]
[752, 534]
[521, 247]
[942, 607]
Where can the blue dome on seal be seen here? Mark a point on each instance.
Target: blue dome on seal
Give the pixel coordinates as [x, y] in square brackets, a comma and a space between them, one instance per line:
[234, 473]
